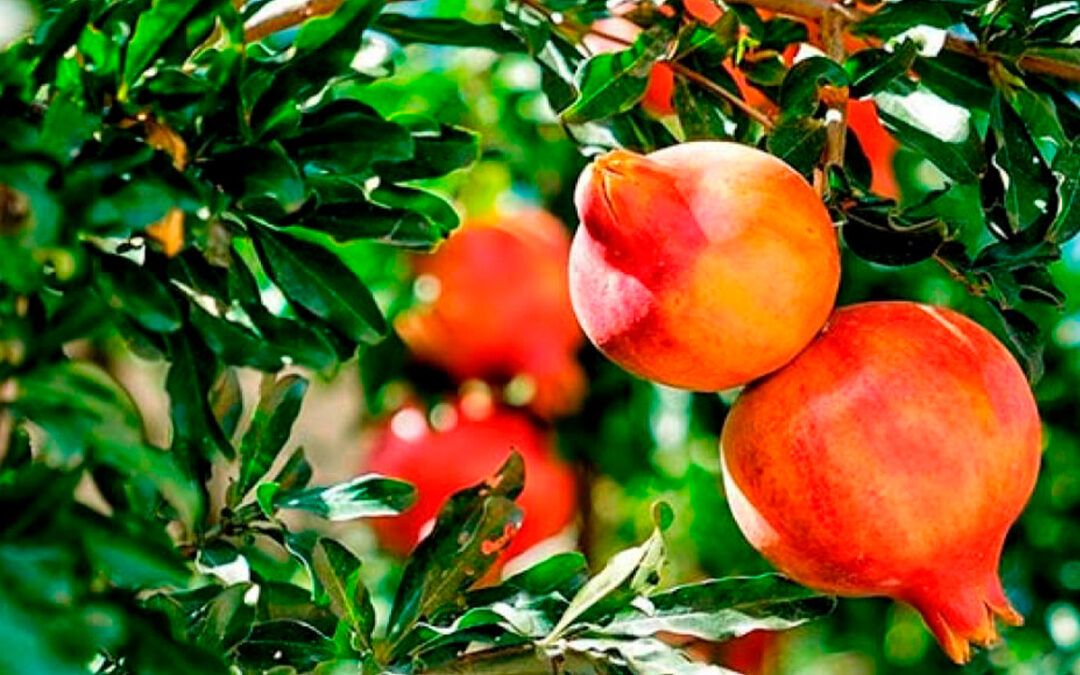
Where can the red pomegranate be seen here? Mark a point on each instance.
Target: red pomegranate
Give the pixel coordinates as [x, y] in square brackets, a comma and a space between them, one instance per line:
[703, 265]
[472, 443]
[496, 305]
[890, 458]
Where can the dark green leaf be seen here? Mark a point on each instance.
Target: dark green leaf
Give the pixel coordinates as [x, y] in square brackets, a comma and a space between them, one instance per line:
[339, 571]
[271, 424]
[319, 281]
[438, 149]
[458, 32]
[799, 142]
[472, 529]
[872, 70]
[284, 643]
[1067, 172]
[1029, 194]
[720, 609]
[612, 83]
[362, 497]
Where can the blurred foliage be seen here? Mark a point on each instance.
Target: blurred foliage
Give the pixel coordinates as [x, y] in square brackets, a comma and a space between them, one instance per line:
[222, 203]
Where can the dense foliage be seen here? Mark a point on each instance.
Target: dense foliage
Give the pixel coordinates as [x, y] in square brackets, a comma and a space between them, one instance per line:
[190, 182]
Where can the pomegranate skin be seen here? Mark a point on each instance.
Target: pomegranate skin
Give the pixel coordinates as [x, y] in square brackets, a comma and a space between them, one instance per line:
[890, 458]
[502, 308]
[703, 266]
[439, 463]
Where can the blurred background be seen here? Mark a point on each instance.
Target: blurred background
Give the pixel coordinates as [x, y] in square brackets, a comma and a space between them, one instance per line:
[600, 445]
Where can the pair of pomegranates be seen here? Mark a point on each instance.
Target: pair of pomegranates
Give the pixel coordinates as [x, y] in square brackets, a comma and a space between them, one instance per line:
[880, 449]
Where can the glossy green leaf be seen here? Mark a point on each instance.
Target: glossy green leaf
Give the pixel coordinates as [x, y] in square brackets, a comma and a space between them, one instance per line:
[440, 31]
[721, 609]
[284, 642]
[473, 527]
[339, 571]
[612, 83]
[316, 279]
[365, 496]
[269, 429]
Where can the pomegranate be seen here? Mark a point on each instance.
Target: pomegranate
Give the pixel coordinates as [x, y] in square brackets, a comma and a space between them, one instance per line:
[494, 304]
[890, 458]
[472, 443]
[703, 265]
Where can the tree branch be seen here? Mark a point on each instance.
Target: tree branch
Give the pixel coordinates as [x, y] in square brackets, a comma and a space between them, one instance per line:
[816, 9]
[277, 20]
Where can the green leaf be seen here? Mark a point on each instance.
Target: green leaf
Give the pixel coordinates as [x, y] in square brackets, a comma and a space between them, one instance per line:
[271, 424]
[227, 619]
[262, 177]
[438, 149]
[871, 70]
[895, 18]
[190, 379]
[642, 656]
[634, 571]
[403, 216]
[339, 572]
[1067, 173]
[227, 401]
[439, 31]
[284, 642]
[160, 24]
[1025, 339]
[316, 279]
[160, 468]
[961, 159]
[296, 473]
[131, 555]
[346, 136]
[799, 92]
[78, 405]
[1029, 193]
[799, 142]
[612, 83]
[720, 609]
[878, 234]
[472, 529]
[365, 496]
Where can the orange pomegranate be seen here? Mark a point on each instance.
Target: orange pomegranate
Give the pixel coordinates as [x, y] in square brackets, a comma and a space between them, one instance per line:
[495, 304]
[472, 442]
[890, 458]
[703, 265]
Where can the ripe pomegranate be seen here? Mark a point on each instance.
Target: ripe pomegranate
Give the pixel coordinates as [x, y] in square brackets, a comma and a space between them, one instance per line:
[890, 458]
[498, 306]
[878, 145]
[471, 445]
[703, 265]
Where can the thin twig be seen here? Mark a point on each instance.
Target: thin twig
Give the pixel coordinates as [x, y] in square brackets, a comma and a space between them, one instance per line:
[1030, 63]
[293, 16]
[705, 83]
[833, 23]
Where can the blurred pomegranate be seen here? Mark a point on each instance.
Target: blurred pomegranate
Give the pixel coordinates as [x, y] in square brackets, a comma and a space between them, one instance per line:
[494, 304]
[890, 458]
[471, 442]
